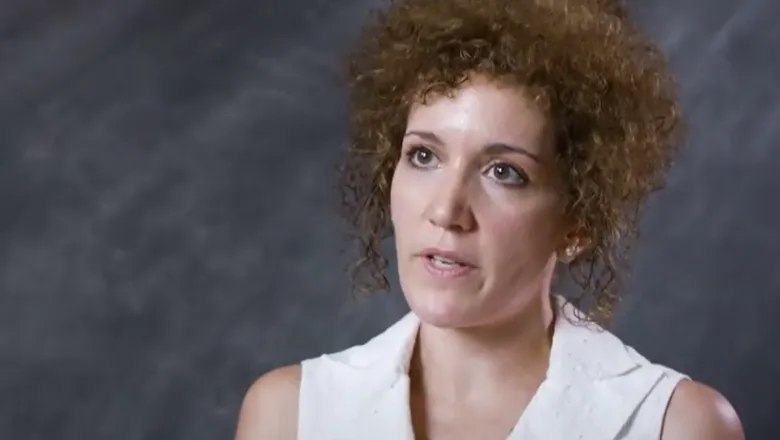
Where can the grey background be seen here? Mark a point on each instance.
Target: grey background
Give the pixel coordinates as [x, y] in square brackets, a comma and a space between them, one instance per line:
[168, 227]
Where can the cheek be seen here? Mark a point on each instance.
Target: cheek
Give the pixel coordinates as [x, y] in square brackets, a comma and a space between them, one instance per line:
[520, 230]
[404, 197]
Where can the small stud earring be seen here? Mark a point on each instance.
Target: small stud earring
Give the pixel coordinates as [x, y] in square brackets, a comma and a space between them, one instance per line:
[569, 254]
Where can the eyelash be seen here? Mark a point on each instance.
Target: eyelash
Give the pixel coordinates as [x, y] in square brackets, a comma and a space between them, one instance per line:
[410, 154]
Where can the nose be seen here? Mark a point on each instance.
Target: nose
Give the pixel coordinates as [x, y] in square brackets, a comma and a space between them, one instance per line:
[449, 207]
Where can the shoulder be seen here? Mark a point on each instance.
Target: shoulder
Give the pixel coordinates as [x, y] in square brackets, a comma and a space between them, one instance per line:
[698, 412]
[270, 406]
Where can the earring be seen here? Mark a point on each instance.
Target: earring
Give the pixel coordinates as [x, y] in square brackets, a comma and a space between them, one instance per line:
[569, 253]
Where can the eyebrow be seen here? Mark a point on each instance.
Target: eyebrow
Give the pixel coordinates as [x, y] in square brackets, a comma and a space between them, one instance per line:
[492, 148]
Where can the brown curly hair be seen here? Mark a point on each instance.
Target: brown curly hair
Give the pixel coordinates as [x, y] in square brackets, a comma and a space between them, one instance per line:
[604, 85]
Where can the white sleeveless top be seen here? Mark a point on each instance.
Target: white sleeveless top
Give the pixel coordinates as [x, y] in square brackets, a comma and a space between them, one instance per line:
[596, 388]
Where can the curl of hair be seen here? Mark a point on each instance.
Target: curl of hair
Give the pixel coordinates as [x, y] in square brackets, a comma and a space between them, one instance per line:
[605, 86]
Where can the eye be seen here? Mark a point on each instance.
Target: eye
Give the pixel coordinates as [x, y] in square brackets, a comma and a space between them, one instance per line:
[507, 174]
[422, 157]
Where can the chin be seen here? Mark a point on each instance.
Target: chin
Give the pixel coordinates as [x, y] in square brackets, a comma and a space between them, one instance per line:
[441, 309]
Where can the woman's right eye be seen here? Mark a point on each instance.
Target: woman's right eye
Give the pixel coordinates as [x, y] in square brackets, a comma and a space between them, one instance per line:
[421, 157]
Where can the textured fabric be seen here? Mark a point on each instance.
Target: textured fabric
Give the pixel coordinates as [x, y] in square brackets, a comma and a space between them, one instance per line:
[596, 388]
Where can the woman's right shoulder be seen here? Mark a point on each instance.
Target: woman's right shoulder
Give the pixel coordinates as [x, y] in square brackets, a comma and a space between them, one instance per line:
[270, 406]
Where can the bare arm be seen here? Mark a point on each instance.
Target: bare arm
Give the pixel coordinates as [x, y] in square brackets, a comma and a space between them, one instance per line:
[698, 412]
[270, 407]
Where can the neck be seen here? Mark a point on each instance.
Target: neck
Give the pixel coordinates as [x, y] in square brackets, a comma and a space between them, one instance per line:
[463, 364]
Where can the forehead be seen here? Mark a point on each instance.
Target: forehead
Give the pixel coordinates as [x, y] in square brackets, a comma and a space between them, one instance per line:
[482, 111]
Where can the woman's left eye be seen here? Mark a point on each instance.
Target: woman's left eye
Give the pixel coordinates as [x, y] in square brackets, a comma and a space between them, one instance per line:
[505, 173]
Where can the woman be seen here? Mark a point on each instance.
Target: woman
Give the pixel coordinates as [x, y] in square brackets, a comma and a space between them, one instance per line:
[499, 141]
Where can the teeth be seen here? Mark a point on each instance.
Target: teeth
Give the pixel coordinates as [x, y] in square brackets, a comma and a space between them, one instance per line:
[443, 261]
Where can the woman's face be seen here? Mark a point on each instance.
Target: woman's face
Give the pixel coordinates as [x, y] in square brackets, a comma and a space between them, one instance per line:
[477, 206]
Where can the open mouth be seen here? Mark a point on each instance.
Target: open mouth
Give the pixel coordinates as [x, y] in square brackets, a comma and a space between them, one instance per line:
[446, 268]
[445, 263]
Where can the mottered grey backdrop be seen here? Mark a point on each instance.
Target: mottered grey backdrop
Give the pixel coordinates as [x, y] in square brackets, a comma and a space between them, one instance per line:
[169, 231]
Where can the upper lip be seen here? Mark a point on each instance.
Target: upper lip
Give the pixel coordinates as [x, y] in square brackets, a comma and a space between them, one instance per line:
[447, 255]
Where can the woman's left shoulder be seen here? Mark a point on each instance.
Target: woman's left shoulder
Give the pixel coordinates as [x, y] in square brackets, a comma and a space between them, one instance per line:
[697, 412]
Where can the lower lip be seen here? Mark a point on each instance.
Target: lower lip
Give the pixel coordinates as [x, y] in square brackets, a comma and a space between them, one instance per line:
[446, 272]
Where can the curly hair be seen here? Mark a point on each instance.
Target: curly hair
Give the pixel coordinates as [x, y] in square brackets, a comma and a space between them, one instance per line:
[605, 86]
